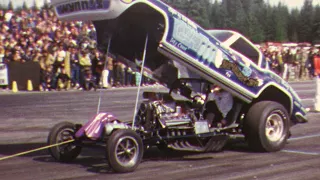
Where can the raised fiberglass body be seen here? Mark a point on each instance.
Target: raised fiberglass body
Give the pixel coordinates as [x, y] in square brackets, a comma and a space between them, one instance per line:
[264, 108]
[234, 64]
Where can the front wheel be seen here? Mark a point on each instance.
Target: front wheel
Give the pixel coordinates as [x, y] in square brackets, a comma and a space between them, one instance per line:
[124, 150]
[266, 126]
[61, 132]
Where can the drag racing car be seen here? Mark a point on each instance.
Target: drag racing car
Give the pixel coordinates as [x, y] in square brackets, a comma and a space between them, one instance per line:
[218, 85]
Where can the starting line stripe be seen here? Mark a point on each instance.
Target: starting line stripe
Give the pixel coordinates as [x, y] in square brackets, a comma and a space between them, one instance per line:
[301, 152]
[304, 137]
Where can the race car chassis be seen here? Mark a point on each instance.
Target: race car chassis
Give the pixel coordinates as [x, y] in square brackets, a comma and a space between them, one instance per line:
[125, 145]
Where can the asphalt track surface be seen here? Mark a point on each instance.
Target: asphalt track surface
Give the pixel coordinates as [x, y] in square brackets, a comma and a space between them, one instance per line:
[26, 118]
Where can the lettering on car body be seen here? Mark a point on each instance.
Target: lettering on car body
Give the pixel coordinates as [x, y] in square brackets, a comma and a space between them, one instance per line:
[85, 5]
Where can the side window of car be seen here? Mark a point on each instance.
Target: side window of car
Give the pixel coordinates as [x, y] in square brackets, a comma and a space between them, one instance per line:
[246, 49]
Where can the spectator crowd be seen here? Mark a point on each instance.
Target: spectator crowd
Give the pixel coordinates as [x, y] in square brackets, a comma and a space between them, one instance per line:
[292, 63]
[69, 58]
[66, 51]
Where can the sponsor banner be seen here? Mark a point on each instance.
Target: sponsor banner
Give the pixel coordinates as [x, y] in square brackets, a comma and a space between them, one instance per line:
[80, 6]
[3, 75]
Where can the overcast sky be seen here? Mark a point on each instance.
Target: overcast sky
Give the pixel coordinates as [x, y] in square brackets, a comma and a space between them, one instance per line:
[290, 3]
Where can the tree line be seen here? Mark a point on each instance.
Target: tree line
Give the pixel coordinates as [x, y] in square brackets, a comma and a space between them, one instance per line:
[256, 19]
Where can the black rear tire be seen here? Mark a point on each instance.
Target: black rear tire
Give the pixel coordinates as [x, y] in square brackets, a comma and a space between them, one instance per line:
[124, 150]
[266, 126]
[63, 131]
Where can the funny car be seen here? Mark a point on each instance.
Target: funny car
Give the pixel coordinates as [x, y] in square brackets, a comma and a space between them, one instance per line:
[218, 85]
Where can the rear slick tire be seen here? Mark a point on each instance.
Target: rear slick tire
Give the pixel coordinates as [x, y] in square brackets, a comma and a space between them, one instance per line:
[266, 126]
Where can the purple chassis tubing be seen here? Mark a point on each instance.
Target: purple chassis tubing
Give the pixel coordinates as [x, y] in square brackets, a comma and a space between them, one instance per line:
[93, 128]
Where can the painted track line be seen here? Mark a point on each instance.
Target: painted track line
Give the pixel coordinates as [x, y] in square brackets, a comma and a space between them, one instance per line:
[303, 137]
[301, 152]
[308, 99]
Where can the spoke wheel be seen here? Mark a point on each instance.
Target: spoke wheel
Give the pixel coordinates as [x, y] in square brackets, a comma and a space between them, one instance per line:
[127, 151]
[60, 133]
[124, 150]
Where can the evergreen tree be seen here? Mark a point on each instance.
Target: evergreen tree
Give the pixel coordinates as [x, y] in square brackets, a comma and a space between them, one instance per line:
[256, 19]
[281, 23]
[46, 4]
[316, 25]
[180, 5]
[224, 18]
[10, 5]
[238, 16]
[306, 22]
[293, 25]
[198, 11]
[268, 23]
[24, 5]
[214, 14]
[35, 5]
[254, 27]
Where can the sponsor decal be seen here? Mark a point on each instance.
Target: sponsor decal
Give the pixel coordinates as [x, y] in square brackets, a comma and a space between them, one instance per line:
[84, 5]
[241, 74]
[187, 37]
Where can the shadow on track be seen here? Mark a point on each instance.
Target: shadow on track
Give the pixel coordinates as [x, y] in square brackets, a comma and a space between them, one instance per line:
[93, 159]
[11, 149]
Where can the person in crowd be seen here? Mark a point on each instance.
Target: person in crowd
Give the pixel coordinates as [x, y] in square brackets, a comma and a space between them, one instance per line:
[75, 67]
[303, 65]
[62, 80]
[129, 76]
[60, 56]
[97, 64]
[110, 67]
[16, 56]
[117, 73]
[2, 52]
[106, 73]
[85, 65]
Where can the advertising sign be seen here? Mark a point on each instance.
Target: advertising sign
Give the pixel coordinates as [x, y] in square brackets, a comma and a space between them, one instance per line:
[3, 75]
[85, 5]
